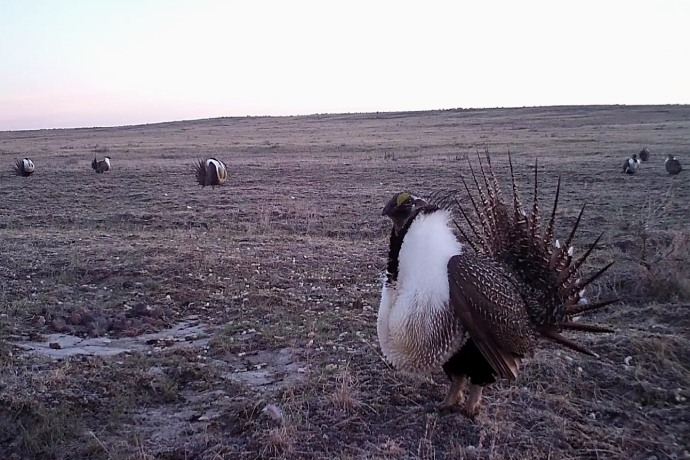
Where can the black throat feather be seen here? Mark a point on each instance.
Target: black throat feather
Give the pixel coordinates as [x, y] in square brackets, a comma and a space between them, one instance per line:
[396, 240]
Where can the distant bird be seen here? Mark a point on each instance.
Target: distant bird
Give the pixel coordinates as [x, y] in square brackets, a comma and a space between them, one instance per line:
[101, 166]
[631, 165]
[24, 167]
[477, 308]
[644, 154]
[673, 166]
[210, 172]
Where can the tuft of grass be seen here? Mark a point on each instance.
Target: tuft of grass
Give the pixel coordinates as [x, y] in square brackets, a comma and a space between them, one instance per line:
[345, 394]
[41, 430]
[667, 268]
[280, 441]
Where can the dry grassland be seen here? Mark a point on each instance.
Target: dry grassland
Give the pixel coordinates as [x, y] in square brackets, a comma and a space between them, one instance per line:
[273, 280]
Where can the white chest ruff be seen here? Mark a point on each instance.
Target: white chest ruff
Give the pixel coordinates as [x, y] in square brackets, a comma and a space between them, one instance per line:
[417, 328]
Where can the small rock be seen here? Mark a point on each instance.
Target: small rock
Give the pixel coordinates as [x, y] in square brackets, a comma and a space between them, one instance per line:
[140, 309]
[119, 323]
[156, 313]
[38, 320]
[55, 345]
[59, 324]
[273, 412]
[36, 337]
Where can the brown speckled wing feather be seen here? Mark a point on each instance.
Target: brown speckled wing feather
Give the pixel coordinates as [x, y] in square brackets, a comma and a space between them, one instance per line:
[491, 309]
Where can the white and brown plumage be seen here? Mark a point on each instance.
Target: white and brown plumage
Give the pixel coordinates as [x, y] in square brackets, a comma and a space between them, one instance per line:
[101, 166]
[673, 166]
[210, 172]
[631, 165]
[24, 167]
[477, 309]
[644, 154]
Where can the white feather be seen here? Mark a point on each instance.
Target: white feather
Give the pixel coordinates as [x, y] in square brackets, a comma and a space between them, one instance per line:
[415, 324]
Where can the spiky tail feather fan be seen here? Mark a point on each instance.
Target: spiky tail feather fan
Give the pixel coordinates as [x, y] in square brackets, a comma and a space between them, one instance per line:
[546, 272]
[18, 168]
[200, 172]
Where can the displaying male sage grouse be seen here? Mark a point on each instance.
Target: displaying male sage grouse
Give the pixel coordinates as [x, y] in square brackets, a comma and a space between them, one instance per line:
[673, 166]
[631, 164]
[477, 309]
[101, 166]
[24, 167]
[210, 172]
[644, 154]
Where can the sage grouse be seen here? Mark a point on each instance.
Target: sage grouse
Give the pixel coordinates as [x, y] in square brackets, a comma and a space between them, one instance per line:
[673, 166]
[101, 166]
[210, 172]
[644, 154]
[631, 164]
[477, 308]
[24, 167]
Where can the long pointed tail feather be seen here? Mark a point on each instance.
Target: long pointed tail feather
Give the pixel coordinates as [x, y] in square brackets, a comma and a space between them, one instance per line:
[547, 237]
[552, 334]
[577, 286]
[534, 216]
[584, 327]
[575, 266]
[579, 309]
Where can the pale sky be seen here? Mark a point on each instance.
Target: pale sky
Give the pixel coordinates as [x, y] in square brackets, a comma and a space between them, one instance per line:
[67, 63]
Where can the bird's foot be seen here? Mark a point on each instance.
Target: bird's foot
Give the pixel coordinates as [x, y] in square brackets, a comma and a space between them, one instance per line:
[471, 412]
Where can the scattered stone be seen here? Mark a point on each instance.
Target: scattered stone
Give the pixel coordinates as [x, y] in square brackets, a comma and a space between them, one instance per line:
[273, 412]
[140, 309]
[55, 345]
[59, 325]
[119, 323]
[77, 316]
[38, 321]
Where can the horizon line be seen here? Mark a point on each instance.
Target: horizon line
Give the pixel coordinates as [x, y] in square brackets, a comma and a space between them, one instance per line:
[189, 120]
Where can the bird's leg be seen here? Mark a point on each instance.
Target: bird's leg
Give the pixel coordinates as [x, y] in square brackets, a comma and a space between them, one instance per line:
[472, 404]
[456, 392]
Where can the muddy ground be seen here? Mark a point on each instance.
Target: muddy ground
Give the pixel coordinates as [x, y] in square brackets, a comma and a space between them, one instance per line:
[144, 317]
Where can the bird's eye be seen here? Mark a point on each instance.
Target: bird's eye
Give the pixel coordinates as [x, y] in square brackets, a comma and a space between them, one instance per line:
[402, 198]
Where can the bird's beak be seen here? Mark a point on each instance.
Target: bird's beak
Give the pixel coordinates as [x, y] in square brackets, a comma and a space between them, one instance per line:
[388, 209]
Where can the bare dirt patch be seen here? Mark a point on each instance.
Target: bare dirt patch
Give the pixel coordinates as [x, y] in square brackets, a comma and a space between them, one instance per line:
[244, 318]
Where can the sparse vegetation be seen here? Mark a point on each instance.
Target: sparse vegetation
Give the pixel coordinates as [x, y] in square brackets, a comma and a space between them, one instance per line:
[281, 269]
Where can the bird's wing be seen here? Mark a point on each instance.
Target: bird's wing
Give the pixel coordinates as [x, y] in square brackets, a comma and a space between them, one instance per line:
[491, 309]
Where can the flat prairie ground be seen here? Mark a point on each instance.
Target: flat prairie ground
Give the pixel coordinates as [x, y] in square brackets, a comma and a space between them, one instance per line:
[145, 317]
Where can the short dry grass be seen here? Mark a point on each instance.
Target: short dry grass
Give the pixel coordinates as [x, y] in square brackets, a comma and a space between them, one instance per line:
[282, 266]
